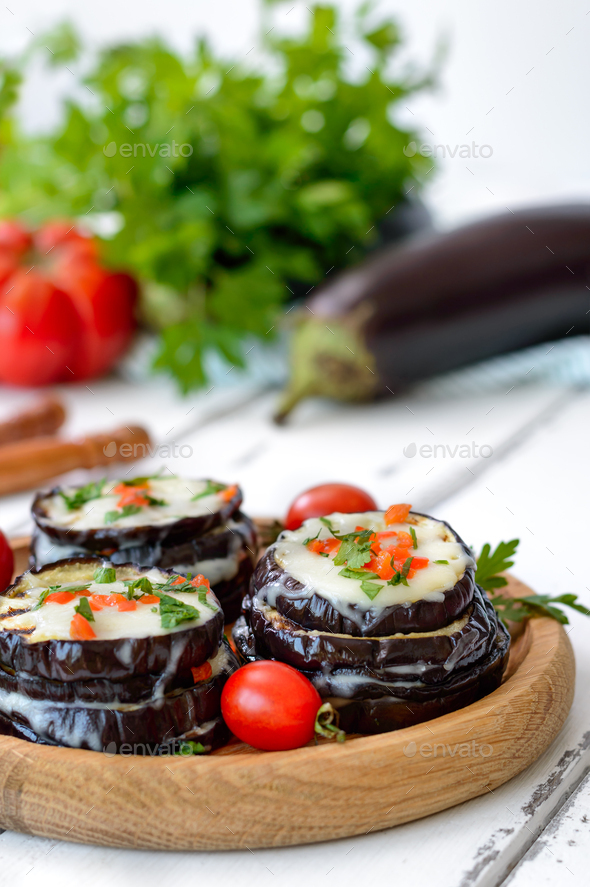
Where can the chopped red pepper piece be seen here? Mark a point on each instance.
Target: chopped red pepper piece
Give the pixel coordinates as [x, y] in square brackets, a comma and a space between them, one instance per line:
[202, 672]
[80, 629]
[200, 580]
[323, 546]
[149, 599]
[229, 492]
[100, 601]
[124, 605]
[63, 597]
[397, 514]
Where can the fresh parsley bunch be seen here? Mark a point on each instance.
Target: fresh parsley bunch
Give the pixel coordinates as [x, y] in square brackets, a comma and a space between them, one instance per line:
[290, 171]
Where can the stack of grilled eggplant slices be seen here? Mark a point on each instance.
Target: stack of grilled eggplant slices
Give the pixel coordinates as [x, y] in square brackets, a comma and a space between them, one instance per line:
[381, 612]
[188, 526]
[100, 657]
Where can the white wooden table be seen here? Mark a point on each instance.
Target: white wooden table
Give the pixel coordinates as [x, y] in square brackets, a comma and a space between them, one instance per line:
[535, 485]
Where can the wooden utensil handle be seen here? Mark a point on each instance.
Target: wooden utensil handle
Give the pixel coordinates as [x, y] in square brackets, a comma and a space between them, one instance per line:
[30, 462]
[42, 418]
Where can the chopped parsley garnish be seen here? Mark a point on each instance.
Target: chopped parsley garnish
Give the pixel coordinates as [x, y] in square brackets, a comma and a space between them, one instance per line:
[152, 501]
[142, 584]
[413, 535]
[44, 594]
[357, 574]
[312, 538]
[105, 575]
[400, 577]
[440, 562]
[83, 608]
[371, 589]
[173, 612]
[203, 598]
[188, 747]
[210, 488]
[127, 510]
[84, 494]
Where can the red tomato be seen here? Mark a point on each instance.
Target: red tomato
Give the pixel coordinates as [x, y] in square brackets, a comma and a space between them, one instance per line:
[65, 317]
[326, 499]
[270, 706]
[6, 562]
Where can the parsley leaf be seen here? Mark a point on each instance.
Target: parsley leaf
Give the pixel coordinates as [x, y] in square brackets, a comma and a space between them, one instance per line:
[515, 609]
[357, 574]
[413, 535]
[83, 608]
[45, 594]
[489, 565]
[152, 501]
[400, 577]
[142, 584]
[84, 494]
[210, 488]
[441, 562]
[127, 510]
[371, 589]
[105, 575]
[173, 612]
[203, 598]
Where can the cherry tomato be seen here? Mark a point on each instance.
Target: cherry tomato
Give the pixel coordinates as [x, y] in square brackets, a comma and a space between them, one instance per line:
[326, 499]
[6, 562]
[270, 706]
[67, 317]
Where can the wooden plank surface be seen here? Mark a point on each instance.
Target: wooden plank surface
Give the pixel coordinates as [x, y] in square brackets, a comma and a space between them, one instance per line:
[542, 484]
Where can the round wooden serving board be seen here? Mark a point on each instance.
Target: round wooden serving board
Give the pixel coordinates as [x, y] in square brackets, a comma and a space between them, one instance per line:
[239, 798]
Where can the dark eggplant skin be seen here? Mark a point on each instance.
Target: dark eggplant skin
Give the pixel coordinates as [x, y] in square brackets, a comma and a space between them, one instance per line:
[315, 613]
[60, 660]
[217, 543]
[150, 723]
[383, 713]
[437, 302]
[433, 655]
[115, 538]
[211, 736]
[139, 688]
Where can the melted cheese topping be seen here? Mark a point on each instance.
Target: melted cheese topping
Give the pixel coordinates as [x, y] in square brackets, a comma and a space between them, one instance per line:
[178, 494]
[52, 620]
[319, 575]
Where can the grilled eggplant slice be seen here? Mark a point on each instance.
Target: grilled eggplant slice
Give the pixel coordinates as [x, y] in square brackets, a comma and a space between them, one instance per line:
[35, 629]
[108, 726]
[403, 706]
[109, 516]
[377, 700]
[428, 656]
[223, 543]
[309, 590]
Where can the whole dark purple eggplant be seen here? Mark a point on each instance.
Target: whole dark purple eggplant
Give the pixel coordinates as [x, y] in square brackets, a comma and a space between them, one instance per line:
[440, 301]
